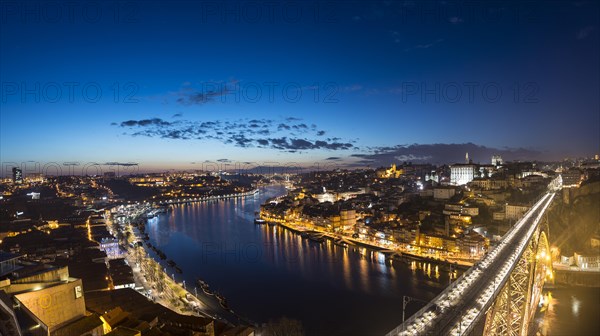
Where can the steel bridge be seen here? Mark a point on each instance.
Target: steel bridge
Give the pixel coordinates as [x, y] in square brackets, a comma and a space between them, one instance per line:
[500, 293]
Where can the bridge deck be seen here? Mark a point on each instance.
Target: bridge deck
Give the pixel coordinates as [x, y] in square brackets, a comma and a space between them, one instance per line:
[459, 307]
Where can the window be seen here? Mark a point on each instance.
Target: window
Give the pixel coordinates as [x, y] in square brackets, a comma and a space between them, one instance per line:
[78, 292]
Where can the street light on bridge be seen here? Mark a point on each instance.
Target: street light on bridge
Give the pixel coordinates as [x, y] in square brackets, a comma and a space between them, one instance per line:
[405, 301]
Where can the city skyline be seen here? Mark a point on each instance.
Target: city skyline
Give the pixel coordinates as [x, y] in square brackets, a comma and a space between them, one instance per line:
[355, 84]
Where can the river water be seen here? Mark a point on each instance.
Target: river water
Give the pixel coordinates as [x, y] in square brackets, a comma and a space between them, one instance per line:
[267, 272]
[571, 312]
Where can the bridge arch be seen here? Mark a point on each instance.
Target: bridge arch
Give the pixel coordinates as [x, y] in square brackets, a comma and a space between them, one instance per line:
[515, 306]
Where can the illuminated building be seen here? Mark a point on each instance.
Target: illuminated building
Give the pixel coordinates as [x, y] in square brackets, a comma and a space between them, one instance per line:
[571, 178]
[50, 302]
[17, 175]
[392, 172]
[461, 174]
[497, 160]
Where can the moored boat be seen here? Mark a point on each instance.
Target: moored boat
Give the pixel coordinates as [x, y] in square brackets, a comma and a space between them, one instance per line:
[316, 239]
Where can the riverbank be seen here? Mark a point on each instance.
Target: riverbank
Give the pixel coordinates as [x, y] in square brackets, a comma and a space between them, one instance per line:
[153, 280]
[261, 269]
[209, 198]
[390, 253]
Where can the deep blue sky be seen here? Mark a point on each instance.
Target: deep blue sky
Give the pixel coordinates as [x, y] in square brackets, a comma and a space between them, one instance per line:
[184, 63]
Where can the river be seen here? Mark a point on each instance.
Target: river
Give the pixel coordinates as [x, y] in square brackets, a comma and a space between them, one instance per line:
[267, 272]
[571, 312]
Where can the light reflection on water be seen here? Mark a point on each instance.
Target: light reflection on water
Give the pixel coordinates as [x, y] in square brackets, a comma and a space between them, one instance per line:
[570, 311]
[267, 272]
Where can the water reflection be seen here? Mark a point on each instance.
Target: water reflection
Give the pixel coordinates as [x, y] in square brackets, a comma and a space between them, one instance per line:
[569, 311]
[267, 272]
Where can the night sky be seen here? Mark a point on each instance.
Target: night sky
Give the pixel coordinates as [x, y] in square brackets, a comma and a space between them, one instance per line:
[175, 84]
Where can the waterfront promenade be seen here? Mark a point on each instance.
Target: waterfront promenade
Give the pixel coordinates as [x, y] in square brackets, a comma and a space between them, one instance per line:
[392, 250]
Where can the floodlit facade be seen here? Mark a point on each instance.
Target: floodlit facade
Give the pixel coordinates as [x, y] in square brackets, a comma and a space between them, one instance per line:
[461, 174]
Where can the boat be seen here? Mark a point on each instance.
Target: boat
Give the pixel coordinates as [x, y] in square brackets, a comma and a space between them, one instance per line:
[340, 242]
[271, 223]
[316, 239]
[304, 235]
[222, 300]
[178, 270]
[204, 287]
[259, 221]
[171, 263]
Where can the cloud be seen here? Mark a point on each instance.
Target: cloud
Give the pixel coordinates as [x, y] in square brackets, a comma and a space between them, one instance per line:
[455, 20]
[425, 46]
[297, 144]
[289, 134]
[124, 164]
[333, 158]
[585, 32]
[200, 98]
[440, 154]
[351, 88]
[145, 122]
[210, 91]
[177, 115]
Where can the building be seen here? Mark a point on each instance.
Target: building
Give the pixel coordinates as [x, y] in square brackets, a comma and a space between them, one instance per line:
[473, 245]
[348, 219]
[17, 175]
[391, 172]
[46, 300]
[515, 211]
[443, 193]
[497, 160]
[8, 262]
[488, 184]
[572, 178]
[120, 274]
[461, 174]
[9, 325]
[434, 177]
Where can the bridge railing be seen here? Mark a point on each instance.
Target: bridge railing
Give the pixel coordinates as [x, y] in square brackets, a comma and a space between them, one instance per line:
[433, 305]
[500, 280]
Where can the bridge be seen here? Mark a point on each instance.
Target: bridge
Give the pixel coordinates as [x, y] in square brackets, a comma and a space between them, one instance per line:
[500, 293]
